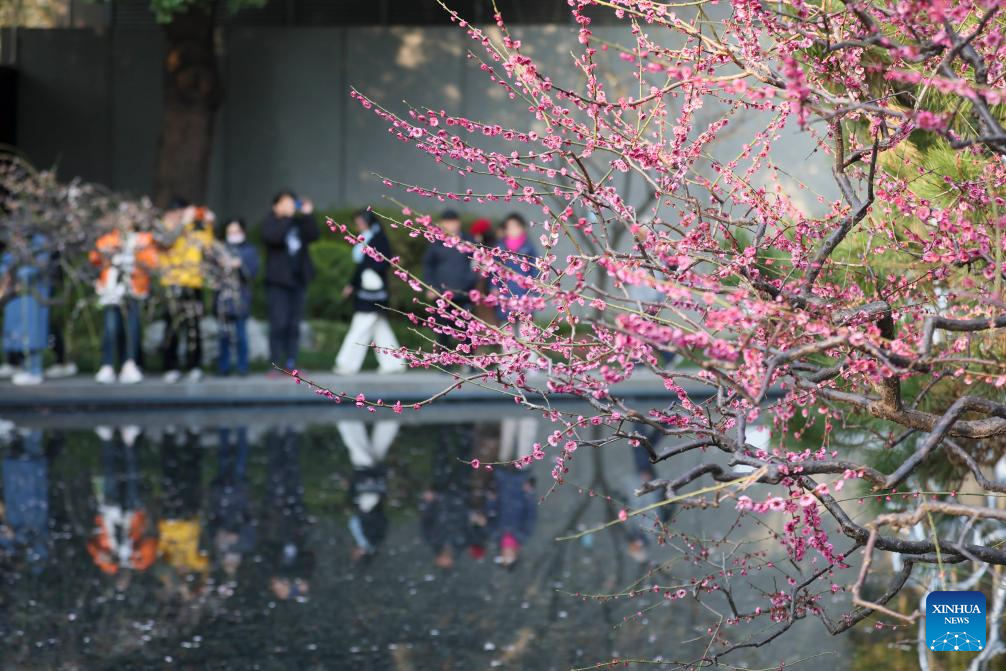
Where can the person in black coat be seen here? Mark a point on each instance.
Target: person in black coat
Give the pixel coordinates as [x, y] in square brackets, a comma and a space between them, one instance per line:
[369, 289]
[287, 232]
[449, 269]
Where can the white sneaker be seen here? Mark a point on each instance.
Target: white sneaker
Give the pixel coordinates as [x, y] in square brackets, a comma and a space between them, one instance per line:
[106, 375]
[129, 434]
[172, 376]
[130, 373]
[61, 370]
[7, 371]
[195, 375]
[24, 378]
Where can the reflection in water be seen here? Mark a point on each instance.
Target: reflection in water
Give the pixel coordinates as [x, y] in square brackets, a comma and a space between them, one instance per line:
[358, 544]
[183, 562]
[369, 483]
[122, 540]
[25, 532]
[445, 504]
[231, 519]
[284, 518]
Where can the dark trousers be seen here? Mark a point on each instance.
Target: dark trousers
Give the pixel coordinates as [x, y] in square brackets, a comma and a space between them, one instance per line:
[286, 310]
[56, 339]
[122, 333]
[182, 316]
[235, 330]
[122, 480]
[181, 475]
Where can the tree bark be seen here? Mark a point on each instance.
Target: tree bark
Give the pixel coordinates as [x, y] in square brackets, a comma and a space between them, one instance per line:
[192, 94]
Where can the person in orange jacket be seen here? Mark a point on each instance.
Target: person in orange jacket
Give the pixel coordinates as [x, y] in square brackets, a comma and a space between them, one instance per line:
[123, 537]
[126, 258]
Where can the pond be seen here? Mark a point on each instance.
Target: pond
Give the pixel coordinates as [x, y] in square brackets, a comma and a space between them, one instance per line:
[278, 538]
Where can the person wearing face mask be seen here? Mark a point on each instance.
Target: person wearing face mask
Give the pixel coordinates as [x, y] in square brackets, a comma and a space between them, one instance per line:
[521, 260]
[369, 289]
[240, 262]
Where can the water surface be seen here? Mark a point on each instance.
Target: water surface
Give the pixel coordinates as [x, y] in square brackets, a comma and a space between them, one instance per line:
[280, 539]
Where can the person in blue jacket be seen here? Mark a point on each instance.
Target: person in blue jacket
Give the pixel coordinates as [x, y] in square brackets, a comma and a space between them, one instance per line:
[233, 305]
[514, 239]
[25, 527]
[25, 286]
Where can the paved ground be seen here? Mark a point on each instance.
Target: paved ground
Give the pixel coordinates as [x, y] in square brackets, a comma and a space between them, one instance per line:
[83, 394]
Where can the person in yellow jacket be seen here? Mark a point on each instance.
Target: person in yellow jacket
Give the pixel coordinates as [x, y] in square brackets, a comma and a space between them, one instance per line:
[188, 234]
[184, 563]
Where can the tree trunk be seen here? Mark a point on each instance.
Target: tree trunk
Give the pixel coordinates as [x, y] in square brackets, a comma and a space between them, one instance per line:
[192, 93]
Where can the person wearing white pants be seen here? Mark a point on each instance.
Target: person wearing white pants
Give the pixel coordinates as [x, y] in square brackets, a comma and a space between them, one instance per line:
[366, 328]
[369, 289]
[369, 483]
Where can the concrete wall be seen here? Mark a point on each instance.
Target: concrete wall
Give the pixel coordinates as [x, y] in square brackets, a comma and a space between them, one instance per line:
[90, 102]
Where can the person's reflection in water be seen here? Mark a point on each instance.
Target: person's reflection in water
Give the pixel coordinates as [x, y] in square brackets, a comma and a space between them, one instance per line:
[368, 486]
[122, 540]
[25, 529]
[185, 563]
[284, 521]
[230, 509]
[444, 507]
[511, 507]
[487, 448]
[644, 471]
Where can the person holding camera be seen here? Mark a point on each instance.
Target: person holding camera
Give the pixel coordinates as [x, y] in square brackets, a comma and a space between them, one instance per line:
[288, 231]
[126, 258]
[188, 231]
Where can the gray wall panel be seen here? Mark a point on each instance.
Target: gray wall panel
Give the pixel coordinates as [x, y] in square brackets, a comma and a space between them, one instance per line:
[64, 101]
[92, 101]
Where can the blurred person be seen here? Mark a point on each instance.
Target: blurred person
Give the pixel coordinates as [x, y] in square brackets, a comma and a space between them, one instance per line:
[233, 301]
[487, 448]
[189, 236]
[645, 471]
[180, 529]
[25, 273]
[369, 289]
[514, 239]
[636, 534]
[445, 518]
[231, 519]
[126, 258]
[25, 479]
[448, 269]
[511, 508]
[288, 232]
[369, 483]
[62, 366]
[513, 512]
[482, 234]
[123, 539]
[285, 521]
